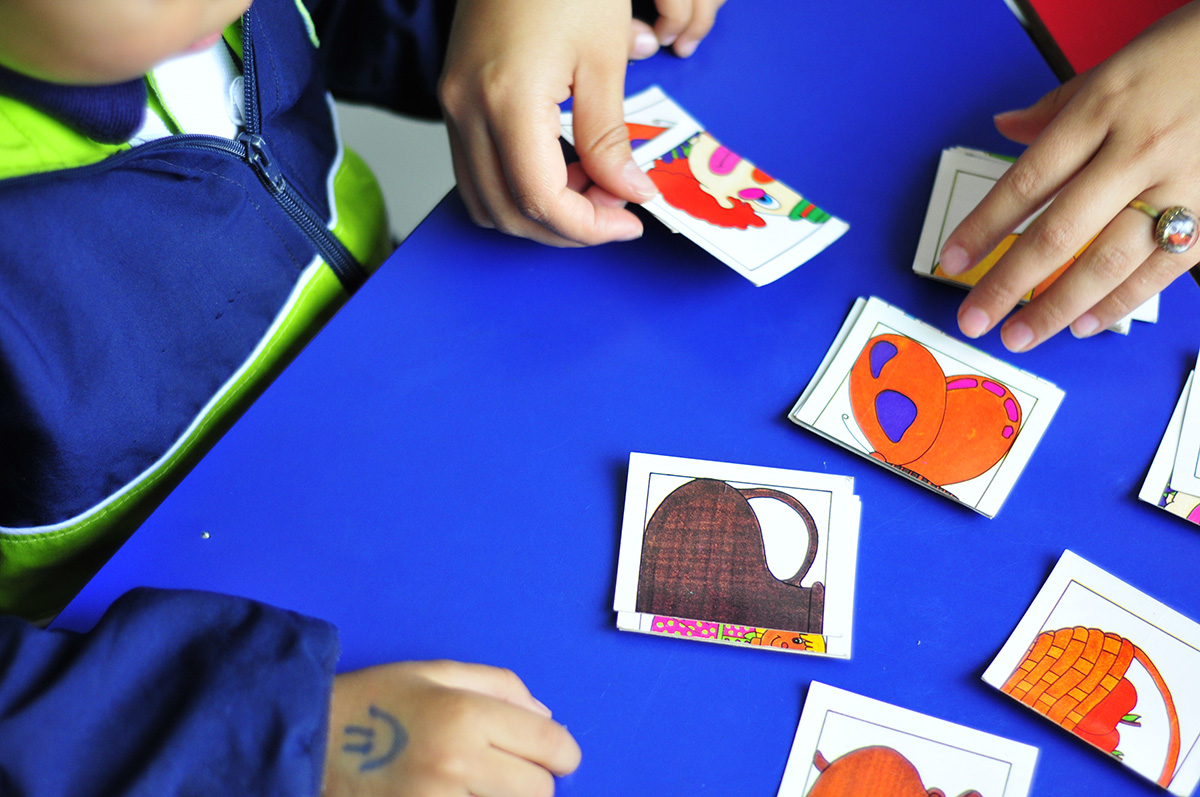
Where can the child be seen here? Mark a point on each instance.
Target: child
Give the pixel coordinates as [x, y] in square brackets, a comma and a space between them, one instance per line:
[174, 230]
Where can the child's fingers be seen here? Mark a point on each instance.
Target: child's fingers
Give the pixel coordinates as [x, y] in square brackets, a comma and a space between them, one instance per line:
[533, 738]
[541, 204]
[601, 138]
[495, 682]
[643, 42]
[466, 181]
[704, 14]
[674, 16]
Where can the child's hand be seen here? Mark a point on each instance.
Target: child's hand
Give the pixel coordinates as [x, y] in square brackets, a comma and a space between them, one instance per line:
[1128, 129]
[510, 63]
[682, 23]
[442, 727]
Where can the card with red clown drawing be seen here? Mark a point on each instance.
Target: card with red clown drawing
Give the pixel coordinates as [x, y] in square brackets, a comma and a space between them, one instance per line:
[1112, 666]
[929, 407]
[756, 225]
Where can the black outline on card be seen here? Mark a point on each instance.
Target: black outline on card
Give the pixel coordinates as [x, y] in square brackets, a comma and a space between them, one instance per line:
[1042, 626]
[781, 487]
[828, 711]
[941, 490]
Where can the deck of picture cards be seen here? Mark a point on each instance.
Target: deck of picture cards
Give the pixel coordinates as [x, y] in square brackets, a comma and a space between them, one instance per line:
[928, 406]
[1114, 667]
[756, 225]
[847, 744]
[738, 554]
[1173, 482]
[964, 177]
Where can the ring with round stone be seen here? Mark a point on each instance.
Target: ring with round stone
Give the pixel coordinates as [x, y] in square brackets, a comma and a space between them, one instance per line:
[1175, 229]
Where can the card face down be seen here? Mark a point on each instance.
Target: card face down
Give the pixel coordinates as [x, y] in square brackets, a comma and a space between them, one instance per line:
[847, 744]
[758, 226]
[937, 411]
[745, 555]
[1113, 666]
[964, 178]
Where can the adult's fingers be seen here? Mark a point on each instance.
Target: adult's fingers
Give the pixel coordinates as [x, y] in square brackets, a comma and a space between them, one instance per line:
[1156, 273]
[1024, 125]
[1088, 204]
[1116, 253]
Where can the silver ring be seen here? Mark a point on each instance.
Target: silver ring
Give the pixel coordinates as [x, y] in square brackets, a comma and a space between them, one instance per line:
[1176, 228]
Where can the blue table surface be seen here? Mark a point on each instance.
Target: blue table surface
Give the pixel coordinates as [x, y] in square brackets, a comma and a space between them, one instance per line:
[441, 473]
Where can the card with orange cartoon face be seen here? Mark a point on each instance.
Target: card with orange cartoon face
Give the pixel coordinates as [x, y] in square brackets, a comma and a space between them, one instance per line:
[930, 407]
[755, 224]
[1112, 666]
[964, 178]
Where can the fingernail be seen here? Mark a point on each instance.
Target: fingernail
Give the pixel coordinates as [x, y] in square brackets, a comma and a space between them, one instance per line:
[1085, 326]
[645, 44]
[973, 322]
[667, 41]
[1000, 117]
[685, 48]
[641, 184]
[1016, 336]
[955, 260]
[545, 709]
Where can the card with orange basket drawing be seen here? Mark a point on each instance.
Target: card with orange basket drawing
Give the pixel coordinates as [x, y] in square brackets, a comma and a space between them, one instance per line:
[928, 406]
[964, 177]
[848, 744]
[1114, 667]
[752, 222]
[746, 555]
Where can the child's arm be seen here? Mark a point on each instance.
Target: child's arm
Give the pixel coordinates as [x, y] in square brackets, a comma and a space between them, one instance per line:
[1127, 130]
[442, 727]
[510, 63]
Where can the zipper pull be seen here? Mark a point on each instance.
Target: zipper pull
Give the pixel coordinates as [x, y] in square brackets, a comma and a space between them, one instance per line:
[256, 154]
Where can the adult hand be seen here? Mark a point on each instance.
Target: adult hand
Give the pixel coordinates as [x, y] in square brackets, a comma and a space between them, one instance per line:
[509, 65]
[442, 728]
[1128, 129]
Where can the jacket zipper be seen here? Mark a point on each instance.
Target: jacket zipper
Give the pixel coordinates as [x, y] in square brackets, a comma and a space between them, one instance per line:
[251, 148]
[255, 151]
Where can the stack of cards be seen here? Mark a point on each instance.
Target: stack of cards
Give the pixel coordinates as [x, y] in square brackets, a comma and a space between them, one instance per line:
[738, 554]
[847, 744]
[1173, 482]
[930, 407]
[756, 225]
[1113, 666]
[964, 177]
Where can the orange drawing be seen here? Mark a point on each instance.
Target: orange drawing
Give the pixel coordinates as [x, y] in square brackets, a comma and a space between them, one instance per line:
[942, 429]
[875, 771]
[1076, 677]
